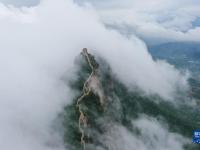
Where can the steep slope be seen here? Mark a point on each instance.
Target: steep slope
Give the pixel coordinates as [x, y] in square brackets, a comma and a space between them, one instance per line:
[106, 115]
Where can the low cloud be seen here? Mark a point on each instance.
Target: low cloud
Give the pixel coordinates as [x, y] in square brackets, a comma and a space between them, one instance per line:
[153, 135]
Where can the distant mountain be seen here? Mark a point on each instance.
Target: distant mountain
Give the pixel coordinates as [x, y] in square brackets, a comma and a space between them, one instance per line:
[185, 55]
[179, 49]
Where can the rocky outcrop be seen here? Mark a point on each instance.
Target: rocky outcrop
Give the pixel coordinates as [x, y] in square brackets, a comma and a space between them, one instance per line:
[92, 84]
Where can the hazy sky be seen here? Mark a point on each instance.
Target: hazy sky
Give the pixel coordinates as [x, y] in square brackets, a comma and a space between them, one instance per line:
[21, 2]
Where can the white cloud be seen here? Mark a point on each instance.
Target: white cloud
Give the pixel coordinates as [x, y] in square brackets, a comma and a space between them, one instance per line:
[38, 46]
[156, 135]
[153, 20]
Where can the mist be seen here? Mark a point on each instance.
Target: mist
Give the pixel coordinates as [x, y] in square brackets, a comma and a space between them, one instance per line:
[153, 136]
[38, 47]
